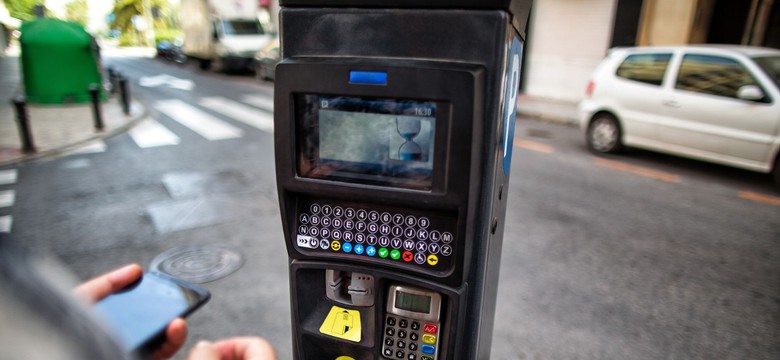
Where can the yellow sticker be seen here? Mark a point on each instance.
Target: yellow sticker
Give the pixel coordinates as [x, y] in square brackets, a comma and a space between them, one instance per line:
[343, 324]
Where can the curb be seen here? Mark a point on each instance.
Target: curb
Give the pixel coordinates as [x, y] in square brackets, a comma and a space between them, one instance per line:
[54, 152]
[548, 117]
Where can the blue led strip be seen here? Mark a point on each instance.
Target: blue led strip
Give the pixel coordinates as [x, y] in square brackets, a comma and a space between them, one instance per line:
[368, 77]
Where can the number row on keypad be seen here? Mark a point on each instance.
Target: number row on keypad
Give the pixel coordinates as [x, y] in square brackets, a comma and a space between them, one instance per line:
[369, 215]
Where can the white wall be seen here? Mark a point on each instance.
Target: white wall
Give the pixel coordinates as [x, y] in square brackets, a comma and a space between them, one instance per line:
[568, 39]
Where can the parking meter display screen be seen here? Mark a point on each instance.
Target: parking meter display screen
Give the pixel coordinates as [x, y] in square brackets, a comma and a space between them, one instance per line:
[385, 142]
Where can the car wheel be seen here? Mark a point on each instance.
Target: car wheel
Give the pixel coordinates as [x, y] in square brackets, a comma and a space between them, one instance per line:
[604, 134]
[204, 64]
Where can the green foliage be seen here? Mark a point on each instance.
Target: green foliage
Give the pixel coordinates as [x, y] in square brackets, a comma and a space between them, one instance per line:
[22, 9]
[77, 11]
[165, 24]
[167, 34]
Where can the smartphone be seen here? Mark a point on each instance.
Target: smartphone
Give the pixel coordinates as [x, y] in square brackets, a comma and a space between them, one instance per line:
[139, 314]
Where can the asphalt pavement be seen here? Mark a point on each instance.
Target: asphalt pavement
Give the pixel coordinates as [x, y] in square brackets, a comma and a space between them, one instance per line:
[598, 263]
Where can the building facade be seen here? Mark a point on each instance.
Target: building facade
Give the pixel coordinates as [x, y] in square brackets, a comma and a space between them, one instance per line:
[568, 38]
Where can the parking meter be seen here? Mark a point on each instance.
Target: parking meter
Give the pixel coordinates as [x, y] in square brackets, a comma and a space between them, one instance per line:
[394, 126]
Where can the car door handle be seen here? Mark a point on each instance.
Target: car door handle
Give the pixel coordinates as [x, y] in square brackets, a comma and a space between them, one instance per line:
[671, 103]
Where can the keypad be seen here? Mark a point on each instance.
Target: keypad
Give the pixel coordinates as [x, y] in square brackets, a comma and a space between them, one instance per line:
[410, 339]
[385, 236]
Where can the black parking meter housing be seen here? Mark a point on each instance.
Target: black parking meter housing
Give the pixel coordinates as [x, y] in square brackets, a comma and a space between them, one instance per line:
[394, 127]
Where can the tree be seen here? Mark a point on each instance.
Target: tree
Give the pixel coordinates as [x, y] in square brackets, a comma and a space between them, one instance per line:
[22, 9]
[77, 11]
[164, 18]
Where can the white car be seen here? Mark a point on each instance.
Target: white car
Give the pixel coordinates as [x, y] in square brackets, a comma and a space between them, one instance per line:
[714, 103]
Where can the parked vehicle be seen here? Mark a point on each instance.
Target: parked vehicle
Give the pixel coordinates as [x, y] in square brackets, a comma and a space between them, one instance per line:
[713, 103]
[266, 60]
[170, 50]
[226, 31]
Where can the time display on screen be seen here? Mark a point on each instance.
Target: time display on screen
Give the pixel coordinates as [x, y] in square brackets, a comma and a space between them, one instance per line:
[384, 141]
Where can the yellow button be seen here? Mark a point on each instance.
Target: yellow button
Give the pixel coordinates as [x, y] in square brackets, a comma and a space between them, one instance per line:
[433, 259]
[335, 245]
[344, 358]
[429, 339]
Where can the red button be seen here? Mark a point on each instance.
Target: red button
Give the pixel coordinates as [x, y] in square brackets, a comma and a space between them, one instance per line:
[430, 328]
[408, 256]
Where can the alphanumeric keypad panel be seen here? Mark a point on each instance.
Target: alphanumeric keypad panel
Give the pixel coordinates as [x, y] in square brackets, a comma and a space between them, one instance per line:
[404, 237]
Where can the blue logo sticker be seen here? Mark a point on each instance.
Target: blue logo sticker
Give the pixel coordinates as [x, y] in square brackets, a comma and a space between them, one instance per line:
[510, 106]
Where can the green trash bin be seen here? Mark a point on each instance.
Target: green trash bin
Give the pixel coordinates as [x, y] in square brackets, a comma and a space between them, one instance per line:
[59, 61]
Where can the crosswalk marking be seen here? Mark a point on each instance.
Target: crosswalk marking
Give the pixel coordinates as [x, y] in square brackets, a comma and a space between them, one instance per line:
[8, 177]
[258, 119]
[5, 223]
[150, 133]
[204, 124]
[259, 101]
[7, 198]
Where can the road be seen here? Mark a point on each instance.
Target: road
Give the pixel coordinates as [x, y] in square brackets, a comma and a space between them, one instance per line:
[638, 256]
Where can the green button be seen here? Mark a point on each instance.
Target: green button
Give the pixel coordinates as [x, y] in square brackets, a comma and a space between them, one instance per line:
[382, 252]
[395, 254]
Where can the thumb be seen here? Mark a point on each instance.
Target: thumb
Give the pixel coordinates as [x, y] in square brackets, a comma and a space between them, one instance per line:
[203, 350]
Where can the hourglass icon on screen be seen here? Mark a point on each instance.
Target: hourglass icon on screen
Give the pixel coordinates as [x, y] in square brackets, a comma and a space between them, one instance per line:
[409, 129]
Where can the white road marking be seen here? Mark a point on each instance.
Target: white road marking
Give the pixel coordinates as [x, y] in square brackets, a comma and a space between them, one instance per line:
[7, 198]
[94, 147]
[5, 223]
[8, 177]
[150, 133]
[198, 121]
[164, 79]
[259, 101]
[258, 119]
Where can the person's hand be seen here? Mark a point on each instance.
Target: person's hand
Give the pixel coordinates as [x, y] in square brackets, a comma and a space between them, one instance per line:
[238, 348]
[100, 287]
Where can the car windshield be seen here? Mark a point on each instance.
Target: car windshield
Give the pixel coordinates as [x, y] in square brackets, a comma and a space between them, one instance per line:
[243, 27]
[771, 65]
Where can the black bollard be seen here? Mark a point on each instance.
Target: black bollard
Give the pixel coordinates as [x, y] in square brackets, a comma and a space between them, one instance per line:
[97, 114]
[124, 94]
[112, 79]
[24, 124]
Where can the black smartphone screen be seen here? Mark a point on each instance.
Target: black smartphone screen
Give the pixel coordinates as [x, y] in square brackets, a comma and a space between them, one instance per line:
[141, 312]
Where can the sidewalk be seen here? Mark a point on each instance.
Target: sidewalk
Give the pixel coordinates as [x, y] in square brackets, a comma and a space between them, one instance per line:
[547, 109]
[55, 128]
